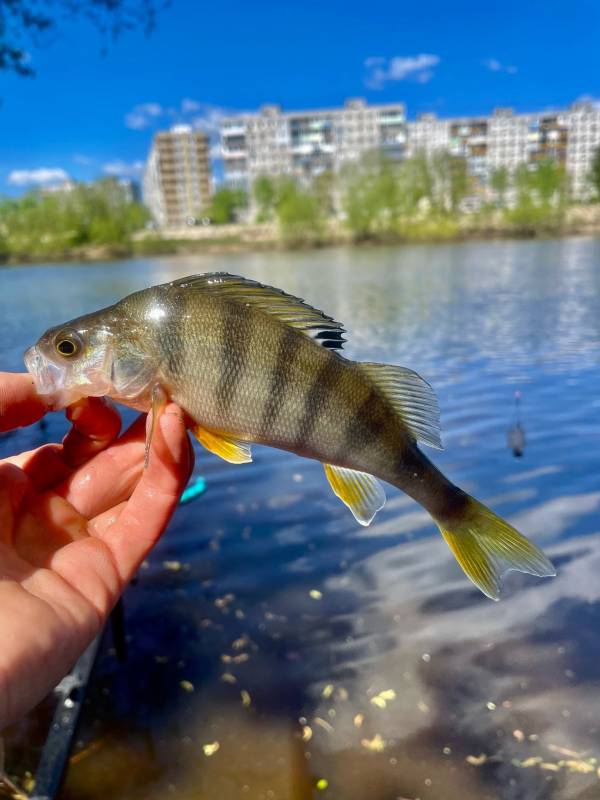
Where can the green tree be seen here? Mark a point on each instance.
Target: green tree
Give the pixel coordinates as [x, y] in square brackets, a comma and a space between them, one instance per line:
[265, 196]
[224, 205]
[450, 181]
[371, 197]
[298, 213]
[323, 189]
[500, 183]
[48, 225]
[541, 196]
[594, 176]
[416, 182]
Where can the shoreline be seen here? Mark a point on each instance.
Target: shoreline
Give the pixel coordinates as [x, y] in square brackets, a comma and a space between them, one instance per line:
[237, 238]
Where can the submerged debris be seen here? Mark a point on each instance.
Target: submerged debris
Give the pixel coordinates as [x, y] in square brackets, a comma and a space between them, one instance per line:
[476, 761]
[383, 698]
[375, 745]
[246, 699]
[210, 748]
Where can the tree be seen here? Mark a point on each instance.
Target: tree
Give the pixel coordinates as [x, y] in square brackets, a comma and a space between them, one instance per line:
[225, 204]
[371, 196]
[299, 215]
[541, 196]
[47, 225]
[265, 195]
[323, 188]
[26, 23]
[450, 181]
[594, 176]
[499, 182]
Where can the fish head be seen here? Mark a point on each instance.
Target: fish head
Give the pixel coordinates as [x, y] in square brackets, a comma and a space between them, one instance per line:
[90, 356]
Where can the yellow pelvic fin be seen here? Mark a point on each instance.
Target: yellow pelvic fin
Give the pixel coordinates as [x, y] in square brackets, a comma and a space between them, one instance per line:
[486, 547]
[223, 446]
[159, 401]
[361, 492]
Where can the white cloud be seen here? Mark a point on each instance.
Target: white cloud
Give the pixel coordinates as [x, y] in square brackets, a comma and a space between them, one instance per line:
[143, 115]
[123, 169]
[399, 68]
[588, 98]
[85, 161]
[497, 66]
[190, 105]
[42, 176]
[202, 116]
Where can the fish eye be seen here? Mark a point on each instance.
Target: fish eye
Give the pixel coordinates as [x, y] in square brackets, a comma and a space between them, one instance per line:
[68, 344]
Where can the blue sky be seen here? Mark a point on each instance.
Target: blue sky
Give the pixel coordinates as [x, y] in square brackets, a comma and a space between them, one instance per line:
[87, 114]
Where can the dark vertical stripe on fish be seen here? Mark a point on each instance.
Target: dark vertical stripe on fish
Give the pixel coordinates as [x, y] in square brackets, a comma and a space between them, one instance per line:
[235, 334]
[174, 328]
[364, 426]
[316, 399]
[279, 379]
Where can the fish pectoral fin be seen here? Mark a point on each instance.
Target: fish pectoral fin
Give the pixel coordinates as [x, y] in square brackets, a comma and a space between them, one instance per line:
[159, 401]
[225, 447]
[361, 492]
[411, 397]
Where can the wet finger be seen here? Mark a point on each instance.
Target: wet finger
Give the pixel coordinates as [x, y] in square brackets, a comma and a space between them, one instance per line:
[109, 477]
[155, 498]
[96, 424]
[20, 404]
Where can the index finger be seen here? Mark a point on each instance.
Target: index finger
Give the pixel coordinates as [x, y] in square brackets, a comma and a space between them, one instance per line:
[20, 404]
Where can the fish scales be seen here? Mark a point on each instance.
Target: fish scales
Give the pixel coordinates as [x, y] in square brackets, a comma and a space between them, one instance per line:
[239, 371]
[248, 363]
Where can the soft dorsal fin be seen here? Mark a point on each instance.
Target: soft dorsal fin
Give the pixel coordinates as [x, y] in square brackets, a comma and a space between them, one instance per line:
[289, 309]
[412, 397]
[361, 492]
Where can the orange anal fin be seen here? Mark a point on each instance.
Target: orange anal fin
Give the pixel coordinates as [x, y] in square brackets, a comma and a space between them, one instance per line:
[159, 401]
[225, 447]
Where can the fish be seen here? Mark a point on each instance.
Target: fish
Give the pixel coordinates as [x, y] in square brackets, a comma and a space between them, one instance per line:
[251, 364]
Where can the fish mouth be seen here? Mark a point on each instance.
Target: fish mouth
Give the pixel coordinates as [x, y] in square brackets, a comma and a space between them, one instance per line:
[49, 378]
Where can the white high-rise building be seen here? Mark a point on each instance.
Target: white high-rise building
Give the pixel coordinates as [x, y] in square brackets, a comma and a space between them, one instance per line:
[303, 144]
[177, 178]
[508, 140]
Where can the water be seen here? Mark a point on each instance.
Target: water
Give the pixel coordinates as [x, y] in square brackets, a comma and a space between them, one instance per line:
[287, 618]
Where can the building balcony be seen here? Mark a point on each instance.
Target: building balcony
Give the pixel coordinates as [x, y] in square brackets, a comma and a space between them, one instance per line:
[233, 153]
[233, 130]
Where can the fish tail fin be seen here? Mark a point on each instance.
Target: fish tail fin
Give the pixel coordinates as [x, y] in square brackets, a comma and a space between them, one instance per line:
[486, 547]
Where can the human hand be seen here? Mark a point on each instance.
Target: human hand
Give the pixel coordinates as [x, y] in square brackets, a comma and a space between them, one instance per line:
[76, 521]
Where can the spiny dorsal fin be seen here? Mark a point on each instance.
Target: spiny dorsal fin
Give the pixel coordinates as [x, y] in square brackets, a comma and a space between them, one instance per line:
[412, 397]
[361, 492]
[225, 447]
[289, 309]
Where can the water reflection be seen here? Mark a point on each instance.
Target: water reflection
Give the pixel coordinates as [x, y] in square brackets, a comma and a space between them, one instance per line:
[266, 621]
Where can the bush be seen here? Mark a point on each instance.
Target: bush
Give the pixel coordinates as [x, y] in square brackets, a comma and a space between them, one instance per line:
[298, 213]
[41, 225]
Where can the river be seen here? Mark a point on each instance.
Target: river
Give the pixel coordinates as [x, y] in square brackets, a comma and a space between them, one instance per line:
[266, 622]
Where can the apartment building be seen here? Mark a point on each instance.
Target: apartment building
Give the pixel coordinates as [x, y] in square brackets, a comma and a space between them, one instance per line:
[303, 144]
[506, 139]
[177, 179]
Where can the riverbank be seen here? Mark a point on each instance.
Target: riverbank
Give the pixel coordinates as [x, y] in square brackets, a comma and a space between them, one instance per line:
[577, 220]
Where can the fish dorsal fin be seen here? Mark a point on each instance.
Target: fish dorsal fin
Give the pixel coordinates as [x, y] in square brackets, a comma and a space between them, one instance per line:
[226, 447]
[288, 309]
[361, 492]
[412, 397]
